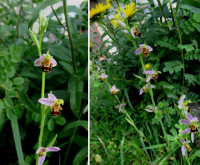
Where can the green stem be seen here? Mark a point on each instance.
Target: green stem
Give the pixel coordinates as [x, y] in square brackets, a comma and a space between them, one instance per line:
[108, 33]
[58, 18]
[3, 42]
[69, 34]
[179, 34]
[43, 115]
[163, 13]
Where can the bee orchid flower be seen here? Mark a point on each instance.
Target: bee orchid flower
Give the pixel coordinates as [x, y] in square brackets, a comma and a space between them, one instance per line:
[120, 107]
[102, 77]
[42, 153]
[151, 109]
[193, 125]
[46, 62]
[144, 49]
[145, 88]
[152, 74]
[135, 31]
[54, 103]
[114, 90]
[185, 146]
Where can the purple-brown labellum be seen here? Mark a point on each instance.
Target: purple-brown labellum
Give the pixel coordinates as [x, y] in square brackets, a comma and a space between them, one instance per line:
[193, 128]
[188, 148]
[114, 92]
[137, 33]
[101, 79]
[189, 109]
[145, 52]
[155, 76]
[55, 110]
[42, 152]
[46, 68]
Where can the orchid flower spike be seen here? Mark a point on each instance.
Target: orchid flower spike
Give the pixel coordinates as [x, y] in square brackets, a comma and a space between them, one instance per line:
[185, 146]
[145, 88]
[120, 107]
[144, 49]
[42, 153]
[135, 31]
[114, 90]
[101, 78]
[54, 103]
[193, 125]
[46, 62]
[151, 109]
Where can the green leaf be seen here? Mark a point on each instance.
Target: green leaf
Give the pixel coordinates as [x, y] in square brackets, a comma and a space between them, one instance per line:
[167, 45]
[191, 5]
[173, 66]
[75, 88]
[80, 156]
[18, 80]
[196, 17]
[73, 125]
[170, 94]
[170, 23]
[52, 141]
[27, 102]
[155, 146]
[1, 106]
[12, 93]
[60, 120]
[171, 138]
[66, 66]
[51, 124]
[165, 84]
[10, 114]
[17, 140]
[8, 102]
[188, 47]
[34, 38]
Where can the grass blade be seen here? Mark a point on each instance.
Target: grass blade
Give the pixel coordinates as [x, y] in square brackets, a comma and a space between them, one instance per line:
[121, 150]
[16, 135]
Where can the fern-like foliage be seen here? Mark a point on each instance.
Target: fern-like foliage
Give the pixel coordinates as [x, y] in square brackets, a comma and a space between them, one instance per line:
[173, 66]
[193, 55]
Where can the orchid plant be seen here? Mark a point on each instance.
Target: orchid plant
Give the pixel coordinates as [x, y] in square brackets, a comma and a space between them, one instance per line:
[46, 62]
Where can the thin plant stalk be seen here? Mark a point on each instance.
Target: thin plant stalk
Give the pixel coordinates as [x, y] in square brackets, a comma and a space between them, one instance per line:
[43, 115]
[163, 13]
[179, 34]
[69, 34]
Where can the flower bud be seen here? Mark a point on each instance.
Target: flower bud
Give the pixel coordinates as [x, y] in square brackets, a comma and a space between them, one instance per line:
[36, 28]
[43, 21]
[148, 66]
[121, 24]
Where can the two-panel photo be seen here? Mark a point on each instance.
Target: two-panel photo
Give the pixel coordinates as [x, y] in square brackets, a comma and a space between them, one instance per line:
[99, 82]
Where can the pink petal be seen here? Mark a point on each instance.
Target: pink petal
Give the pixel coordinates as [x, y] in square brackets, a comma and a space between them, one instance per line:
[148, 72]
[141, 45]
[195, 119]
[53, 62]
[52, 149]
[184, 121]
[38, 61]
[182, 141]
[189, 117]
[141, 91]
[153, 86]
[41, 160]
[52, 97]
[117, 90]
[149, 106]
[149, 78]
[186, 131]
[138, 51]
[180, 106]
[150, 48]
[46, 101]
[132, 32]
[125, 31]
[183, 149]
[192, 137]
[148, 110]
